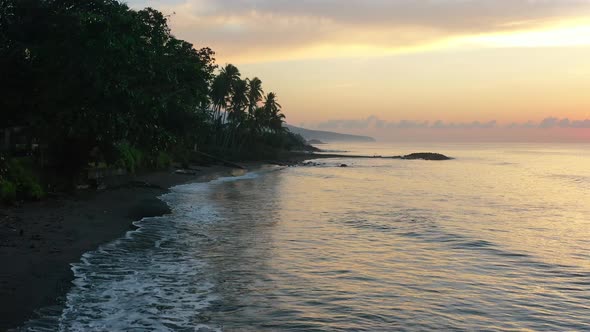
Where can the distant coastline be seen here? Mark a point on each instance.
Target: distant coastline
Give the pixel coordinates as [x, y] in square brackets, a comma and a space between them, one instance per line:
[328, 136]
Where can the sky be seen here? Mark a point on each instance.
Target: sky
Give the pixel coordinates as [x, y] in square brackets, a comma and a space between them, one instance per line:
[408, 69]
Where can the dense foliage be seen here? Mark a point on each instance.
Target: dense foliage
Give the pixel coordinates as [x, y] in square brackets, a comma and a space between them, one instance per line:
[96, 82]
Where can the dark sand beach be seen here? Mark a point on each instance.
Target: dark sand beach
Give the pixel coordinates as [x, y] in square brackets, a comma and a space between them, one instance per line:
[39, 241]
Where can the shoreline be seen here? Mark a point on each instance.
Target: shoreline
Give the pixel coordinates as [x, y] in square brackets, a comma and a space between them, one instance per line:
[40, 240]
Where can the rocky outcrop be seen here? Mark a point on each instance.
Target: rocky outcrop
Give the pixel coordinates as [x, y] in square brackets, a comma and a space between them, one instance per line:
[425, 156]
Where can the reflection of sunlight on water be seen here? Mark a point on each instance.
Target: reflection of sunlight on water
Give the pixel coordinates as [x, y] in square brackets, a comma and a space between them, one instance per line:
[490, 240]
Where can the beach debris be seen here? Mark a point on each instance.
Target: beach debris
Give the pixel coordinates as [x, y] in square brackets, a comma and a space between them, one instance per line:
[309, 163]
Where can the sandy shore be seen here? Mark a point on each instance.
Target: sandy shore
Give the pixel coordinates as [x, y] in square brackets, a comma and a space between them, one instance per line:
[39, 241]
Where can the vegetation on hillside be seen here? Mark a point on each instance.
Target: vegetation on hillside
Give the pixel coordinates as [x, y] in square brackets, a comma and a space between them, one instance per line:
[97, 83]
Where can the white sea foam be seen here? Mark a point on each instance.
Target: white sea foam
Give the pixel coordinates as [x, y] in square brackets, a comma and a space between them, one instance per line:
[152, 278]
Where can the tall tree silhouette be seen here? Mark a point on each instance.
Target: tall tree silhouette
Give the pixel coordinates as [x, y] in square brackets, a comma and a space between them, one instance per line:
[272, 113]
[239, 101]
[255, 94]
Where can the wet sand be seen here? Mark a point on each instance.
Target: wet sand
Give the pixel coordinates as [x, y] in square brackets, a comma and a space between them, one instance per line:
[39, 241]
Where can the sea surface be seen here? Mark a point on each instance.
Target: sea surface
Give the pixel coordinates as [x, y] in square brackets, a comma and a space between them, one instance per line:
[497, 239]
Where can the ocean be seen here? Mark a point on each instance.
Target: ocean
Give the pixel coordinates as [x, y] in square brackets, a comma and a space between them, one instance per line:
[497, 239]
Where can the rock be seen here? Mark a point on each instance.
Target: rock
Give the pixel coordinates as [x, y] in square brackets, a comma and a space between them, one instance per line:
[309, 163]
[426, 156]
[343, 165]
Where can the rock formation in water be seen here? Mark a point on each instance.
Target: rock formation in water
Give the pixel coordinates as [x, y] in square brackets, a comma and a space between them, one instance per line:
[425, 156]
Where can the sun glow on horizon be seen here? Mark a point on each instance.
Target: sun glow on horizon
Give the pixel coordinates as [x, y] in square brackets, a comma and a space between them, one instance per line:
[563, 35]
[559, 36]
[457, 61]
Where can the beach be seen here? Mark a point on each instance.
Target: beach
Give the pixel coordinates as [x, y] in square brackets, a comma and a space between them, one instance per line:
[380, 245]
[40, 240]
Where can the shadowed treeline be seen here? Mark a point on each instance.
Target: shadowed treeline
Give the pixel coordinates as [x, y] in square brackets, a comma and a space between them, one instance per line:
[96, 83]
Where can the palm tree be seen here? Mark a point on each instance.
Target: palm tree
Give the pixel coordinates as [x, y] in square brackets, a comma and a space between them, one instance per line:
[222, 96]
[254, 94]
[222, 88]
[239, 100]
[231, 72]
[259, 120]
[272, 113]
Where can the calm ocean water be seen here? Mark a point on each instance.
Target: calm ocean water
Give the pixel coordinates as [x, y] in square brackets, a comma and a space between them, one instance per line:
[497, 239]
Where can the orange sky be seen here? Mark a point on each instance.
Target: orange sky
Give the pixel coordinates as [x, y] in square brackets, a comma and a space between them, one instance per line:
[336, 63]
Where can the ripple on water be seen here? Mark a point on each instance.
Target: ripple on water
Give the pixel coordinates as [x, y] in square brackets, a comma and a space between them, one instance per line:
[322, 249]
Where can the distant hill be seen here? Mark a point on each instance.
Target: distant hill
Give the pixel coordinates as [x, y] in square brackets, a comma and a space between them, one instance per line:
[328, 136]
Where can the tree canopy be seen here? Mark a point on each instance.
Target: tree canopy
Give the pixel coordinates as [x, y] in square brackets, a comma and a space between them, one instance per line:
[86, 77]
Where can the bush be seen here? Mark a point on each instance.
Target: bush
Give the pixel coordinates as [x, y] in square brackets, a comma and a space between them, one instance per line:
[27, 185]
[19, 182]
[295, 142]
[163, 161]
[35, 191]
[7, 191]
[130, 158]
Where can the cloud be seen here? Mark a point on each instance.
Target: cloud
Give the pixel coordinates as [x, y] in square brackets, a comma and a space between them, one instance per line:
[407, 124]
[549, 123]
[289, 28]
[468, 125]
[373, 122]
[370, 122]
[529, 124]
[553, 122]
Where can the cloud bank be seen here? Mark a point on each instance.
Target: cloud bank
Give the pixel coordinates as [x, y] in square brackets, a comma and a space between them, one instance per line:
[375, 123]
[244, 29]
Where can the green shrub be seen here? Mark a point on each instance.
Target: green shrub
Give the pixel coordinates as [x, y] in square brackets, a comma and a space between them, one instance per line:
[7, 191]
[163, 161]
[26, 185]
[34, 191]
[130, 157]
